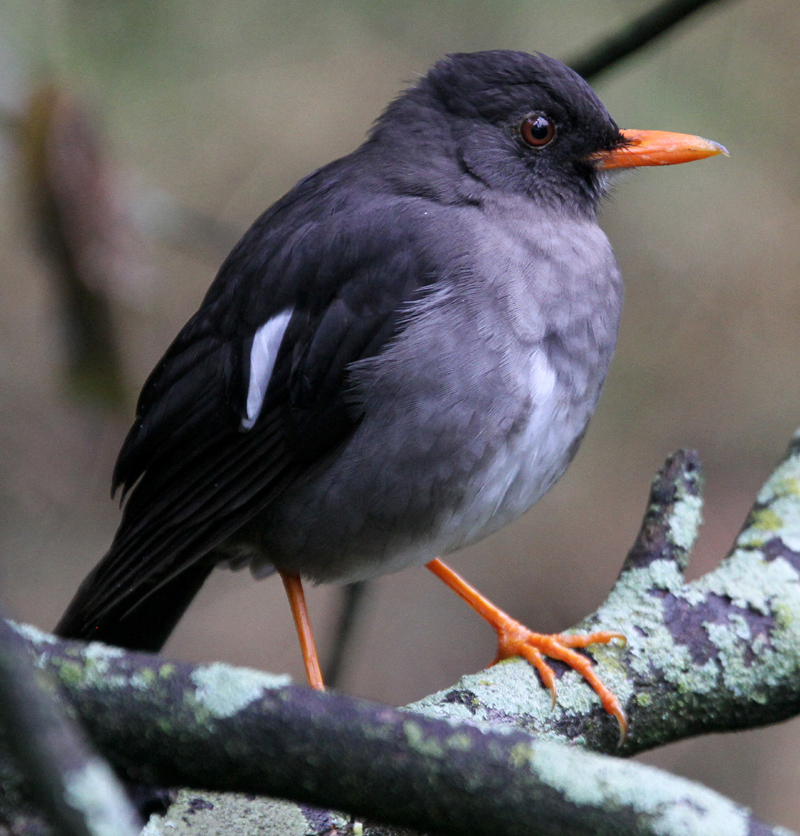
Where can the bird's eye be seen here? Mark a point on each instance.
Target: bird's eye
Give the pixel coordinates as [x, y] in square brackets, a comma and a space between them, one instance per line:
[537, 131]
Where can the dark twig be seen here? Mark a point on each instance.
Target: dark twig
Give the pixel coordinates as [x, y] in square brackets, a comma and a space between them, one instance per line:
[631, 38]
[351, 604]
[75, 789]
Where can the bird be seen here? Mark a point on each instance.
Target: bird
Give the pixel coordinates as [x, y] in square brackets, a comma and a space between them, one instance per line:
[399, 357]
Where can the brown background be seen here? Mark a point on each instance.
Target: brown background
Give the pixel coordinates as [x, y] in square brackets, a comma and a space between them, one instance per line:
[223, 106]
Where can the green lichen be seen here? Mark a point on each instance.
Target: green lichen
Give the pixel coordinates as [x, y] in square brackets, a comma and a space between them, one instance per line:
[781, 520]
[100, 668]
[513, 690]
[765, 519]
[70, 673]
[651, 645]
[785, 616]
[143, 678]
[737, 674]
[165, 724]
[224, 690]
[459, 742]
[424, 744]
[748, 580]
[674, 806]
[785, 481]
[95, 793]
[685, 520]
[520, 754]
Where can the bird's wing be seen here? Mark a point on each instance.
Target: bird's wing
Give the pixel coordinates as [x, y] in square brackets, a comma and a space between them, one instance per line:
[253, 391]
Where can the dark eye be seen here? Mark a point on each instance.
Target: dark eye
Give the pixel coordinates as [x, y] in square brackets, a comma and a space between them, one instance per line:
[537, 131]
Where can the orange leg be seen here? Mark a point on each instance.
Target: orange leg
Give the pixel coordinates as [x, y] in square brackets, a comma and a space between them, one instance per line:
[514, 639]
[297, 601]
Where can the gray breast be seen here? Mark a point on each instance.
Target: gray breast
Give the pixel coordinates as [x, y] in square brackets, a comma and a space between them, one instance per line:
[473, 412]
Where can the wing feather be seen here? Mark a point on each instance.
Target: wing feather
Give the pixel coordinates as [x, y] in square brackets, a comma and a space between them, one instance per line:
[192, 474]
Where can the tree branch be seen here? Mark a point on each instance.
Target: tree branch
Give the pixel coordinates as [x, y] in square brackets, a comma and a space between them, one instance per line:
[218, 727]
[722, 652]
[66, 780]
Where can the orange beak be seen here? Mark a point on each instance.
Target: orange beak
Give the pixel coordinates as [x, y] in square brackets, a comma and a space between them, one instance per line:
[657, 148]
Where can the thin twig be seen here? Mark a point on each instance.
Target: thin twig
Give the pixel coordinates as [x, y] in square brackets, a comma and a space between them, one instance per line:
[632, 37]
[351, 605]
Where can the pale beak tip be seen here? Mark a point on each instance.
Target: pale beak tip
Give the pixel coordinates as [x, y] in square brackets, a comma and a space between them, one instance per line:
[721, 149]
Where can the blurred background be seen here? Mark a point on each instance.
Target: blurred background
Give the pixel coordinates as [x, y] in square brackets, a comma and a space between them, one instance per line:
[178, 122]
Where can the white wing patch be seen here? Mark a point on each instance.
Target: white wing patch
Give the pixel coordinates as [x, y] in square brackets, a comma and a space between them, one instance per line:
[266, 342]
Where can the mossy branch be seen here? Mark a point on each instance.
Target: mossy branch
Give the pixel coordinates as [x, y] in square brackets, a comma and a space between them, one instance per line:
[47, 769]
[716, 654]
[722, 652]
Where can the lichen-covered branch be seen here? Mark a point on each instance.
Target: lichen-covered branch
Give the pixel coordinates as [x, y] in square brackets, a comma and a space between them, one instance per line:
[719, 653]
[47, 768]
[218, 727]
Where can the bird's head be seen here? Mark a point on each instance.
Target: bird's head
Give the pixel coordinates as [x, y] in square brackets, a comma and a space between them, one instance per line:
[523, 123]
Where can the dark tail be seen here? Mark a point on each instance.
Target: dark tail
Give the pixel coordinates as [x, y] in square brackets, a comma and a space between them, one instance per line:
[143, 622]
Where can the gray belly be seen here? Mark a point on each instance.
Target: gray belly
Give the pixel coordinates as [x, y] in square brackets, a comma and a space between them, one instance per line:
[437, 484]
[427, 474]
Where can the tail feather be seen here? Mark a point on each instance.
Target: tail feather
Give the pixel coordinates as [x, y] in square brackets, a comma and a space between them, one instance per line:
[138, 621]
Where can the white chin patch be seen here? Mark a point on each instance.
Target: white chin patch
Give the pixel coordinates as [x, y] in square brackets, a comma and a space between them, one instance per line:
[610, 178]
[266, 343]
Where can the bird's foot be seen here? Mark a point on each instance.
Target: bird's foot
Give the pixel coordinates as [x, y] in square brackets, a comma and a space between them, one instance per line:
[515, 639]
